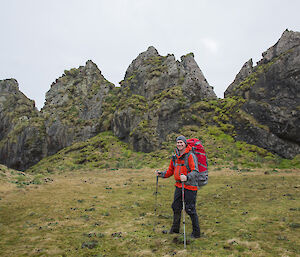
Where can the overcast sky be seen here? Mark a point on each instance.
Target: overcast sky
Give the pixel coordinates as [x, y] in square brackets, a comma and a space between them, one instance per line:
[42, 38]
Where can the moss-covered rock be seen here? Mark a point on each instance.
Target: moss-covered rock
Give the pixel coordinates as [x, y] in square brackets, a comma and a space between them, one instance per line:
[71, 113]
[22, 130]
[152, 95]
[74, 105]
[269, 117]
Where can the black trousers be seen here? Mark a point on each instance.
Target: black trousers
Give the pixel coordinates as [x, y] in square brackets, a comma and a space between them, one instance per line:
[189, 200]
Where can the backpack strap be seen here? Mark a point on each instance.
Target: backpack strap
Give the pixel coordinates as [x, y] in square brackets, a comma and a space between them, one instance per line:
[186, 160]
[174, 158]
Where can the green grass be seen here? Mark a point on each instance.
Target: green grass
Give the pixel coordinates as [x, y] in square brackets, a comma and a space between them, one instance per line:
[95, 212]
[105, 151]
[96, 198]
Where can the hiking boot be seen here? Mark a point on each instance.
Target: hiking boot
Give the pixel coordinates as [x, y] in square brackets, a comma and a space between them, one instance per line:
[174, 230]
[195, 235]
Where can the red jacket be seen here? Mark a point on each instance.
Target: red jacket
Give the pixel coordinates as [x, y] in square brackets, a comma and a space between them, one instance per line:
[178, 167]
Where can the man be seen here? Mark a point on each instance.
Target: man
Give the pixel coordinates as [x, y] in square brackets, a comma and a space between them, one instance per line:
[184, 167]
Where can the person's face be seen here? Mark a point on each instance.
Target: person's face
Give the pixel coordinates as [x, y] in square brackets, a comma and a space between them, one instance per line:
[180, 145]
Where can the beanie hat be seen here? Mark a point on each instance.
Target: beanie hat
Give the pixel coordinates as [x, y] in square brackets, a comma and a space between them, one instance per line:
[181, 138]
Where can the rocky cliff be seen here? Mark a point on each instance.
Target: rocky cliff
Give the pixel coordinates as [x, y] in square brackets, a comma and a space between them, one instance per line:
[73, 106]
[152, 96]
[71, 114]
[22, 131]
[271, 91]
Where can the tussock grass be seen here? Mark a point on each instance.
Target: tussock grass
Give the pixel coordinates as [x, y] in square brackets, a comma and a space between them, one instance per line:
[97, 212]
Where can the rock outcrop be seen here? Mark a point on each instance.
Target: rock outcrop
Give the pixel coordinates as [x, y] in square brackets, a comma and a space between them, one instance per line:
[287, 41]
[154, 91]
[150, 74]
[71, 114]
[272, 94]
[22, 131]
[245, 71]
[74, 105]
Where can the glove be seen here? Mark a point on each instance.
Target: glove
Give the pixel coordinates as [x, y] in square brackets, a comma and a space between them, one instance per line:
[158, 173]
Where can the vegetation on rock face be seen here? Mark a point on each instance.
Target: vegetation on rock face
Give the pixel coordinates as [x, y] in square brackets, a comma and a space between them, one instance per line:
[245, 85]
[174, 93]
[151, 98]
[105, 151]
[156, 66]
[15, 108]
[74, 105]
[77, 93]
[22, 131]
[268, 117]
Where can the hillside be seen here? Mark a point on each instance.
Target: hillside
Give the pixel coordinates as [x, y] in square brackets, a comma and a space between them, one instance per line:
[106, 151]
[97, 198]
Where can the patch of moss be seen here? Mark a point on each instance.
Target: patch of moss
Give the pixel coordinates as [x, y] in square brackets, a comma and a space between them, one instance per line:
[72, 72]
[136, 102]
[202, 106]
[156, 61]
[249, 120]
[219, 112]
[170, 93]
[129, 80]
[145, 130]
[181, 80]
[156, 66]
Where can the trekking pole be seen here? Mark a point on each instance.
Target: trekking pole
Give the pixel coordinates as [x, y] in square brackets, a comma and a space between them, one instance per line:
[156, 191]
[183, 208]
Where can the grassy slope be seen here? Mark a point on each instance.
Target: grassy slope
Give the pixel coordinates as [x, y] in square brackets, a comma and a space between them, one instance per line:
[95, 198]
[105, 151]
[111, 213]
